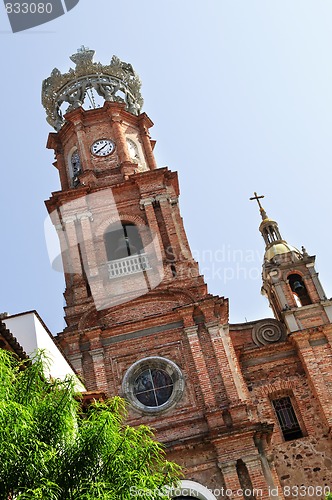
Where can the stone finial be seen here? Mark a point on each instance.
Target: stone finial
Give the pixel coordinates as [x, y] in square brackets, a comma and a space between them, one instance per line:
[304, 252]
[83, 56]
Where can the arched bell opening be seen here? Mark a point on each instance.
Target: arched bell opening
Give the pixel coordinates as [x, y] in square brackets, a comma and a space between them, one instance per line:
[122, 242]
[124, 250]
[300, 292]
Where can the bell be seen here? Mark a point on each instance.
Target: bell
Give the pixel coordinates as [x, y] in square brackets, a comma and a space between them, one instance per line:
[297, 286]
[124, 249]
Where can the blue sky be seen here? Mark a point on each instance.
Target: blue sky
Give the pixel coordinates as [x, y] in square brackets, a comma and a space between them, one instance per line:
[240, 94]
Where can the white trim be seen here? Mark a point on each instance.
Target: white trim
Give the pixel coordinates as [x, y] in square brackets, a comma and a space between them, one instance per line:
[193, 489]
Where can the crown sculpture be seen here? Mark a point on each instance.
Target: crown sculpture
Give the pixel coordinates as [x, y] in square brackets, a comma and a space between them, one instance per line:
[116, 82]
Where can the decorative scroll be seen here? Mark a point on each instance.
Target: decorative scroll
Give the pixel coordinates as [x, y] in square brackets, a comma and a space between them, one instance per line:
[268, 332]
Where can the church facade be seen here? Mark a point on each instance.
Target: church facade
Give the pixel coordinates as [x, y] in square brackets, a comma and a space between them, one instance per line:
[245, 408]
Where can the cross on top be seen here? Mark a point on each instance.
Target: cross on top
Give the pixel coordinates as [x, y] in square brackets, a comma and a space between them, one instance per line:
[258, 198]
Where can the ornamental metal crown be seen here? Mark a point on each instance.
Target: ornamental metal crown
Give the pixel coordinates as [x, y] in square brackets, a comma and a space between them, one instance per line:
[116, 82]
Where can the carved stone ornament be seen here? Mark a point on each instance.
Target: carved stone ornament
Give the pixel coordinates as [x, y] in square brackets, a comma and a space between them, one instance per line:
[116, 82]
[268, 331]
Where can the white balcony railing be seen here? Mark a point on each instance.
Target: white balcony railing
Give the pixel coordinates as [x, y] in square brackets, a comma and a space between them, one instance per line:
[128, 265]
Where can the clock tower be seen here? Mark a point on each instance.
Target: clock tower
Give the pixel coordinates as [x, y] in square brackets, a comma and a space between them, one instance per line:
[140, 321]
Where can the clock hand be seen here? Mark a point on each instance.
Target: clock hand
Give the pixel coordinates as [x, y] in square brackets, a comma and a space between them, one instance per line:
[100, 149]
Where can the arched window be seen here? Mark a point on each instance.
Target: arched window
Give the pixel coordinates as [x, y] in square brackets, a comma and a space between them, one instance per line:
[299, 290]
[153, 384]
[125, 252]
[122, 242]
[288, 422]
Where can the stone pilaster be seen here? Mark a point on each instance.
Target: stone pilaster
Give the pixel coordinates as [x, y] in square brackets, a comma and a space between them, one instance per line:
[316, 281]
[61, 167]
[166, 210]
[76, 361]
[147, 144]
[260, 488]
[231, 478]
[146, 204]
[98, 357]
[314, 374]
[72, 244]
[120, 138]
[233, 381]
[200, 365]
[89, 243]
[82, 143]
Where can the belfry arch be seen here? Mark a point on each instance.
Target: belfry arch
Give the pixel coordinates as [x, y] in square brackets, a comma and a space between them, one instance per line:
[121, 242]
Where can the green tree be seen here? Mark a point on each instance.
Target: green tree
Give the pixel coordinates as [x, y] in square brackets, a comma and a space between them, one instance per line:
[51, 450]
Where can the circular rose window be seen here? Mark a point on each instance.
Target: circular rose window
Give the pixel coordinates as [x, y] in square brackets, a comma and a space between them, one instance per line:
[153, 384]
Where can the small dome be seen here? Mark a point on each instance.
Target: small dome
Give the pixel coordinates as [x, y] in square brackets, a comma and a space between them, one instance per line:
[281, 248]
[267, 221]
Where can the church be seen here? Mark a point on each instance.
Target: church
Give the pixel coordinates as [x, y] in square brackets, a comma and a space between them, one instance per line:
[244, 408]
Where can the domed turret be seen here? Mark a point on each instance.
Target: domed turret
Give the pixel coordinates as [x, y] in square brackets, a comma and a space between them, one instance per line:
[290, 281]
[275, 246]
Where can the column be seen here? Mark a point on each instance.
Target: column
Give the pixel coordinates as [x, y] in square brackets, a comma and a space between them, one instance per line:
[314, 275]
[89, 243]
[260, 488]
[83, 148]
[228, 364]
[232, 483]
[121, 144]
[98, 359]
[76, 361]
[64, 247]
[178, 224]
[147, 144]
[72, 245]
[200, 365]
[77, 285]
[61, 167]
[146, 203]
[166, 211]
[280, 295]
[268, 467]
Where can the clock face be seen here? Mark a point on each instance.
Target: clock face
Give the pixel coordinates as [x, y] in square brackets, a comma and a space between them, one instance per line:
[102, 147]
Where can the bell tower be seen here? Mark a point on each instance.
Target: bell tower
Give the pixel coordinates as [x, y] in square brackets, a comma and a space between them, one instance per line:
[290, 281]
[140, 321]
[117, 215]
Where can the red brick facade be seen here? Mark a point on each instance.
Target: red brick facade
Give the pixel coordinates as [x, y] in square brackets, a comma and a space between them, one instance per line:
[221, 425]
